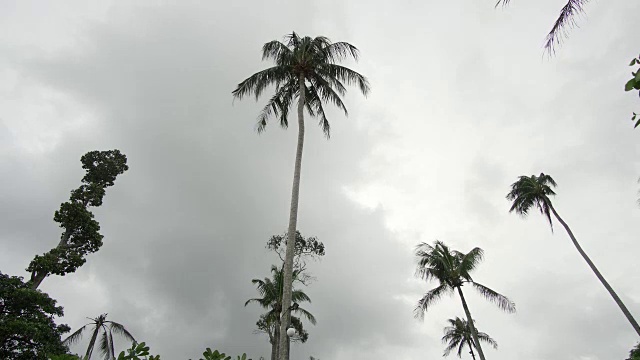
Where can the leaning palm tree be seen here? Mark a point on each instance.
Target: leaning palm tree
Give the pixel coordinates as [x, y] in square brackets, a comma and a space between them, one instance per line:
[452, 269]
[270, 291]
[534, 192]
[305, 69]
[458, 335]
[100, 324]
[565, 20]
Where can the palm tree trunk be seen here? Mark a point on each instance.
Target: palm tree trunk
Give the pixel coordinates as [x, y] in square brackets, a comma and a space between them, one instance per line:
[474, 332]
[291, 232]
[604, 282]
[274, 343]
[92, 342]
[471, 350]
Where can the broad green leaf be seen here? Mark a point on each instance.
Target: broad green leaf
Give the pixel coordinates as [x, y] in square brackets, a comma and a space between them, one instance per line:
[629, 85]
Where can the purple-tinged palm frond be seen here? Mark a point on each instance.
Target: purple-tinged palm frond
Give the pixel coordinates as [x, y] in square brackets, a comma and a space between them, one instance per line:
[565, 21]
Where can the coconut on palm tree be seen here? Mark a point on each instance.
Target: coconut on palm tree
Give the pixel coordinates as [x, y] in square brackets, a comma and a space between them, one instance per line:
[306, 69]
[452, 270]
[458, 335]
[534, 192]
[103, 328]
[270, 291]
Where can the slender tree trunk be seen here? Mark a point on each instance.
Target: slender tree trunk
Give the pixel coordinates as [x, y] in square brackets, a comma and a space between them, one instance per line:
[474, 332]
[291, 232]
[471, 349]
[274, 344]
[604, 282]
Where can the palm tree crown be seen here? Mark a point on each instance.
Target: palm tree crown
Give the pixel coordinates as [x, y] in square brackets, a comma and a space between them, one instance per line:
[458, 335]
[452, 269]
[106, 340]
[311, 60]
[532, 191]
[270, 291]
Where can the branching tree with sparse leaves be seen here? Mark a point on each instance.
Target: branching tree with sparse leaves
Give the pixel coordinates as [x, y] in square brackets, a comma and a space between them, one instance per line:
[81, 235]
[309, 248]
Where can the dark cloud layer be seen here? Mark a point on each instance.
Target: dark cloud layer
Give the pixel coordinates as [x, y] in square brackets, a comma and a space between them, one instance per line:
[461, 105]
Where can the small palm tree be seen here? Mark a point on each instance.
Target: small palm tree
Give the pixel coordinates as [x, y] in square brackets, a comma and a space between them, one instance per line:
[452, 269]
[565, 20]
[534, 192]
[305, 69]
[100, 324]
[458, 335]
[270, 291]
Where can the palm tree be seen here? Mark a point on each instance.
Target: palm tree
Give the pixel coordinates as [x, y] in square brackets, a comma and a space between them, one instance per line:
[452, 269]
[565, 20]
[270, 291]
[305, 69]
[534, 191]
[100, 324]
[458, 335]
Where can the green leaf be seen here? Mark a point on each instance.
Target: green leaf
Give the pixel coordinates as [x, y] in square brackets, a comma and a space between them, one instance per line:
[630, 85]
[637, 76]
[637, 123]
[633, 62]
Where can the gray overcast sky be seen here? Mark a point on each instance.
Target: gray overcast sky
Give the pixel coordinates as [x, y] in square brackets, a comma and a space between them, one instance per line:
[463, 102]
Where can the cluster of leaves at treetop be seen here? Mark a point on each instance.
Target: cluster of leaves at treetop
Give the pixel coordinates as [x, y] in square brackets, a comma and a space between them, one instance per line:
[81, 234]
[634, 84]
[216, 355]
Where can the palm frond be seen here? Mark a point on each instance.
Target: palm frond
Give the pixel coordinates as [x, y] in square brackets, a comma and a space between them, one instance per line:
[315, 108]
[121, 330]
[487, 339]
[429, 298]
[307, 314]
[470, 261]
[500, 300]
[112, 352]
[104, 345]
[275, 50]
[278, 105]
[450, 347]
[340, 50]
[75, 337]
[462, 344]
[256, 83]
[565, 20]
[345, 75]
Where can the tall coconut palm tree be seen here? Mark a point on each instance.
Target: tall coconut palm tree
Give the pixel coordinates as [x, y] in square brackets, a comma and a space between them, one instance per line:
[458, 335]
[271, 292]
[305, 69]
[534, 192]
[100, 324]
[565, 20]
[452, 269]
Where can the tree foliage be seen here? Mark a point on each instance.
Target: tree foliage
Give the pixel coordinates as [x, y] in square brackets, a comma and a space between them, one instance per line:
[81, 234]
[309, 248]
[634, 354]
[634, 84]
[27, 327]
